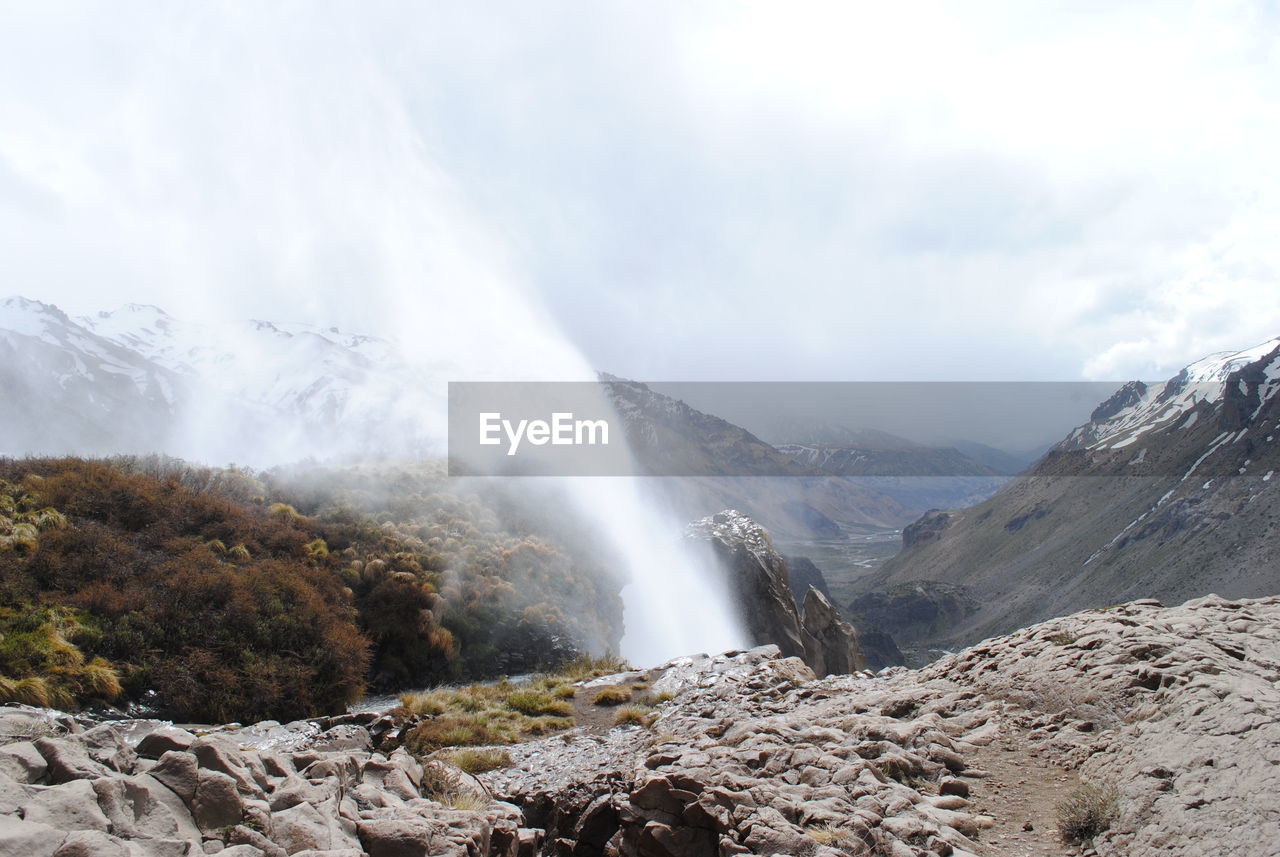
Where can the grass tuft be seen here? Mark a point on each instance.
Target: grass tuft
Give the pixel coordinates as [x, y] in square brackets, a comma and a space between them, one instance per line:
[633, 715]
[1087, 811]
[480, 761]
[612, 695]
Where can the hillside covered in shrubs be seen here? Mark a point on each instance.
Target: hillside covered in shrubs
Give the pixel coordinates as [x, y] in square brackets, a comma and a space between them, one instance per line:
[241, 596]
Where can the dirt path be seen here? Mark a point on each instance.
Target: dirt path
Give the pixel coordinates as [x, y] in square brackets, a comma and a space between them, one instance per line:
[1023, 791]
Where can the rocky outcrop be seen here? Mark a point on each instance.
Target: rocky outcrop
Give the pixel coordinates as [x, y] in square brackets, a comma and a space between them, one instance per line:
[151, 790]
[1172, 707]
[929, 528]
[922, 611]
[760, 581]
[832, 644]
[801, 574]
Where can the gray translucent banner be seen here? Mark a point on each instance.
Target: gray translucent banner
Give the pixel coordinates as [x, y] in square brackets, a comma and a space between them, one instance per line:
[854, 429]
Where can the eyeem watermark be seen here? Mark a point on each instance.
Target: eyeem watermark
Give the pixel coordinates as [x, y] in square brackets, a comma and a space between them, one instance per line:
[562, 430]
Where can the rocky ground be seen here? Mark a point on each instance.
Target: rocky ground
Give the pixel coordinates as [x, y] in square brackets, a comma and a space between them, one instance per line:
[1173, 707]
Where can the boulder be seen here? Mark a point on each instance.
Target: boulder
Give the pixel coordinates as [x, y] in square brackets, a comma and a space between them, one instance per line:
[70, 806]
[22, 762]
[20, 838]
[216, 802]
[69, 761]
[155, 744]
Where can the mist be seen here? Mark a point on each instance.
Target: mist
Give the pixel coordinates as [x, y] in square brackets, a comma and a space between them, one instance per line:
[287, 178]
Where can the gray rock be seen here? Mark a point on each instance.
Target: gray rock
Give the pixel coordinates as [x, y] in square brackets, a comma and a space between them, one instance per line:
[22, 762]
[69, 806]
[178, 770]
[19, 838]
[106, 746]
[92, 843]
[216, 803]
[155, 744]
[69, 761]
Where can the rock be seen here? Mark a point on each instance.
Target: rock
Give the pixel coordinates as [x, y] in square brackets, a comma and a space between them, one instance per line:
[69, 761]
[241, 835]
[831, 643]
[762, 591]
[242, 851]
[155, 744]
[19, 838]
[343, 738]
[106, 746]
[22, 762]
[92, 843]
[178, 770]
[219, 753]
[306, 827]
[70, 806]
[404, 837]
[216, 802]
[143, 807]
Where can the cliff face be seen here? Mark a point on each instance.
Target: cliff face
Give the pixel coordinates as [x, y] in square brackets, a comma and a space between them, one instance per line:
[760, 581]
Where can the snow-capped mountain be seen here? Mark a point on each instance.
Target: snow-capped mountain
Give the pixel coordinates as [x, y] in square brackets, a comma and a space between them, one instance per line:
[1170, 491]
[1137, 408]
[139, 380]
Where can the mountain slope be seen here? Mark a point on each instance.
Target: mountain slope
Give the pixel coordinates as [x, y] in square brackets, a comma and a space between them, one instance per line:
[1168, 492]
[725, 466]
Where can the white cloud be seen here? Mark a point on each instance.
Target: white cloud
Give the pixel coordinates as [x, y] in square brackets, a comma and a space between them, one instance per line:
[751, 190]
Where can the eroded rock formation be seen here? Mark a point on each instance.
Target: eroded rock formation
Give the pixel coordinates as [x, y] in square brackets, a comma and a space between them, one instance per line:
[760, 581]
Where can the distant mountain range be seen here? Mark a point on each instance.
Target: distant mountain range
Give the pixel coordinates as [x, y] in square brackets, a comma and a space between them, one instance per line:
[1170, 491]
[139, 380]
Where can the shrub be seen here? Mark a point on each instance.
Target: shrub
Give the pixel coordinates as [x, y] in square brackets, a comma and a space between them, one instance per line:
[1087, 811]
[612, 695]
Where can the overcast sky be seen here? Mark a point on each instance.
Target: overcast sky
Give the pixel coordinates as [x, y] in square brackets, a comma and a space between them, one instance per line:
[682, 191]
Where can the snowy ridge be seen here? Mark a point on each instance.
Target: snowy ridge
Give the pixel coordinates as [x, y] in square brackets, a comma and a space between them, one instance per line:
[275, 392]
[1174, 403]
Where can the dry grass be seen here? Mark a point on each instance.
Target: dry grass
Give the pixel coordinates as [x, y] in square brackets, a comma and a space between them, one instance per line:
[499, 712]
[838, 838]
[1088, 811]
[633, 715]
[480, 761]
[612, 695]
[536, 703]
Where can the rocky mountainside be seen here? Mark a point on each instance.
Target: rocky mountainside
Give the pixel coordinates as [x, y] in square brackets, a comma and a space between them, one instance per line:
[917, 476]
[1139, 729]
[723, 465]
[809, 628]
[137, 380]
[1169, 491]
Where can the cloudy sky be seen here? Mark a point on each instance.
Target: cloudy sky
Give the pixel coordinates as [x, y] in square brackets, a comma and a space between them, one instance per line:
[682, 191]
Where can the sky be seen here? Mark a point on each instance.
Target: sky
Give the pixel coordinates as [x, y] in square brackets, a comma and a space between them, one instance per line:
[665, 190]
